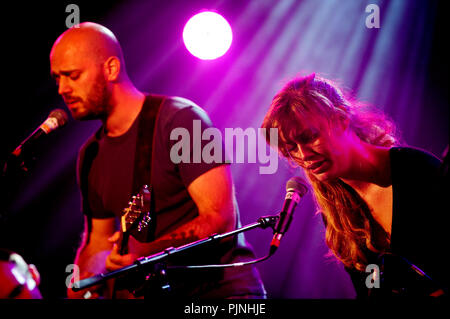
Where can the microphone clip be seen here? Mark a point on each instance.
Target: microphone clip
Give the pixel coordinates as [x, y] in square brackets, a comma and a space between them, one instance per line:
[268, 221]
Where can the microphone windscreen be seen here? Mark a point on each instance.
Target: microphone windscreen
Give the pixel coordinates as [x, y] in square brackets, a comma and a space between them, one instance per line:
[297, 184]
[60, 115]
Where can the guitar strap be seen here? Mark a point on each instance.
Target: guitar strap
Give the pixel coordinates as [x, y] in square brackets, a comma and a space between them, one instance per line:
[143, 161]
[144, 156]
[83, 175]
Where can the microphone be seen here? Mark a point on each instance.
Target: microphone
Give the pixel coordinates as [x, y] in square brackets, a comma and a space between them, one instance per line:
[295, 189]
[56, 119]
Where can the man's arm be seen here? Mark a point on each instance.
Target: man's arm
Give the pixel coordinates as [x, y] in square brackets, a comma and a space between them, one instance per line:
[213, 194]
[91, 256]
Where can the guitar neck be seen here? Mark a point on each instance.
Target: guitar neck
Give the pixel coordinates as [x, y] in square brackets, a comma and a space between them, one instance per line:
[123, 249]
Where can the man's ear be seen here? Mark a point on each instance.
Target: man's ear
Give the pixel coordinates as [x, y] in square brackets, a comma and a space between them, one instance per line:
[112, 68]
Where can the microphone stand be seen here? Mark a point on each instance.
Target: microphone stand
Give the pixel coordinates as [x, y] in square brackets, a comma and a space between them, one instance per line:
[145, 262]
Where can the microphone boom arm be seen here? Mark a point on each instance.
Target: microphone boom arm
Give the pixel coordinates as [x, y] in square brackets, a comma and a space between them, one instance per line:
[140, 263]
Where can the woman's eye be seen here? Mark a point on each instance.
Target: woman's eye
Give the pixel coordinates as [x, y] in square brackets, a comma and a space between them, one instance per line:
[313, 137]
[309, 137]
[291, 147]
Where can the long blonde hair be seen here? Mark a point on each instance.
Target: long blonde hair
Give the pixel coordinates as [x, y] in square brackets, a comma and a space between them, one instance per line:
[350, 228]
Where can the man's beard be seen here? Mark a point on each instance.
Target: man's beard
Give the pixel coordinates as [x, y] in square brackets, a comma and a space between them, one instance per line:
[97, 104]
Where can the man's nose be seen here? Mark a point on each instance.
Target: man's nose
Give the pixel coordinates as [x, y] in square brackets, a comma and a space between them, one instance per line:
[64, 86]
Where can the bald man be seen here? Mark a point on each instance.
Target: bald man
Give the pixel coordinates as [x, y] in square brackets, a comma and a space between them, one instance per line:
[191, 200]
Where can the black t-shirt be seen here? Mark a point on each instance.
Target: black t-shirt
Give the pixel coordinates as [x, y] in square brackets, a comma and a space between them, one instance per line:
[110, 181]
[111, 173]
[419, 226]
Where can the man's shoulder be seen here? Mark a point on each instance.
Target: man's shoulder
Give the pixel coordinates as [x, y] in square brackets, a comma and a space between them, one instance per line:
[179, 109]
[175, 104]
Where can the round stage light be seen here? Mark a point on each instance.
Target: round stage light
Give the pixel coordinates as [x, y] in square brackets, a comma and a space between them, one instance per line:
[207, 35]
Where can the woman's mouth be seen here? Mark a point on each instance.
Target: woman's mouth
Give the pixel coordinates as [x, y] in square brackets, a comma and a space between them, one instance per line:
[317, 167]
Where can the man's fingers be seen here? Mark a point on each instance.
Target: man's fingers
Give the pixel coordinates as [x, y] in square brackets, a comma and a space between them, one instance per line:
[115, 261]
[115, 237]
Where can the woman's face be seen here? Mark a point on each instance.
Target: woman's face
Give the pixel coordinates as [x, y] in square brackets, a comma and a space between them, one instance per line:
[320, 146]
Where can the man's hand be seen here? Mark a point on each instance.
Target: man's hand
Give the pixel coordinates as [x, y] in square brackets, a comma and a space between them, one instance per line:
[116, 261]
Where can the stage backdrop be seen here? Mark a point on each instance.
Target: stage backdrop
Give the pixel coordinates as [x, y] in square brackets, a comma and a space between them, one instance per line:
[400, 67]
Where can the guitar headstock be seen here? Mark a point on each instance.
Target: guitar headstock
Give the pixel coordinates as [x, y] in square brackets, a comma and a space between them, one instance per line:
[138, 218]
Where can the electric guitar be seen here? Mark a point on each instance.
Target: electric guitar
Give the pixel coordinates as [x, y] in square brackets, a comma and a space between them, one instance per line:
[137, 220]
[401, 278]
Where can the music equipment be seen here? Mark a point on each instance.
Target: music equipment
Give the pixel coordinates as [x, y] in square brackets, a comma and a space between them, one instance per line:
[401, 278]
[137, 220]
[56, 119]
[295, 189]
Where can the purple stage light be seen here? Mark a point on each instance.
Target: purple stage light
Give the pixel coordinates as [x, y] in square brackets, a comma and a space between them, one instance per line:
[207, 35]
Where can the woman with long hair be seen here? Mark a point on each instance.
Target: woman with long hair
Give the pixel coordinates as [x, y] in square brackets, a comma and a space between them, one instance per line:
[362, 179]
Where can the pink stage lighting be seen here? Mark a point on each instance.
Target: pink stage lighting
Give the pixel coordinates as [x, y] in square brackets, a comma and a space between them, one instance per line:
[207, 35]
